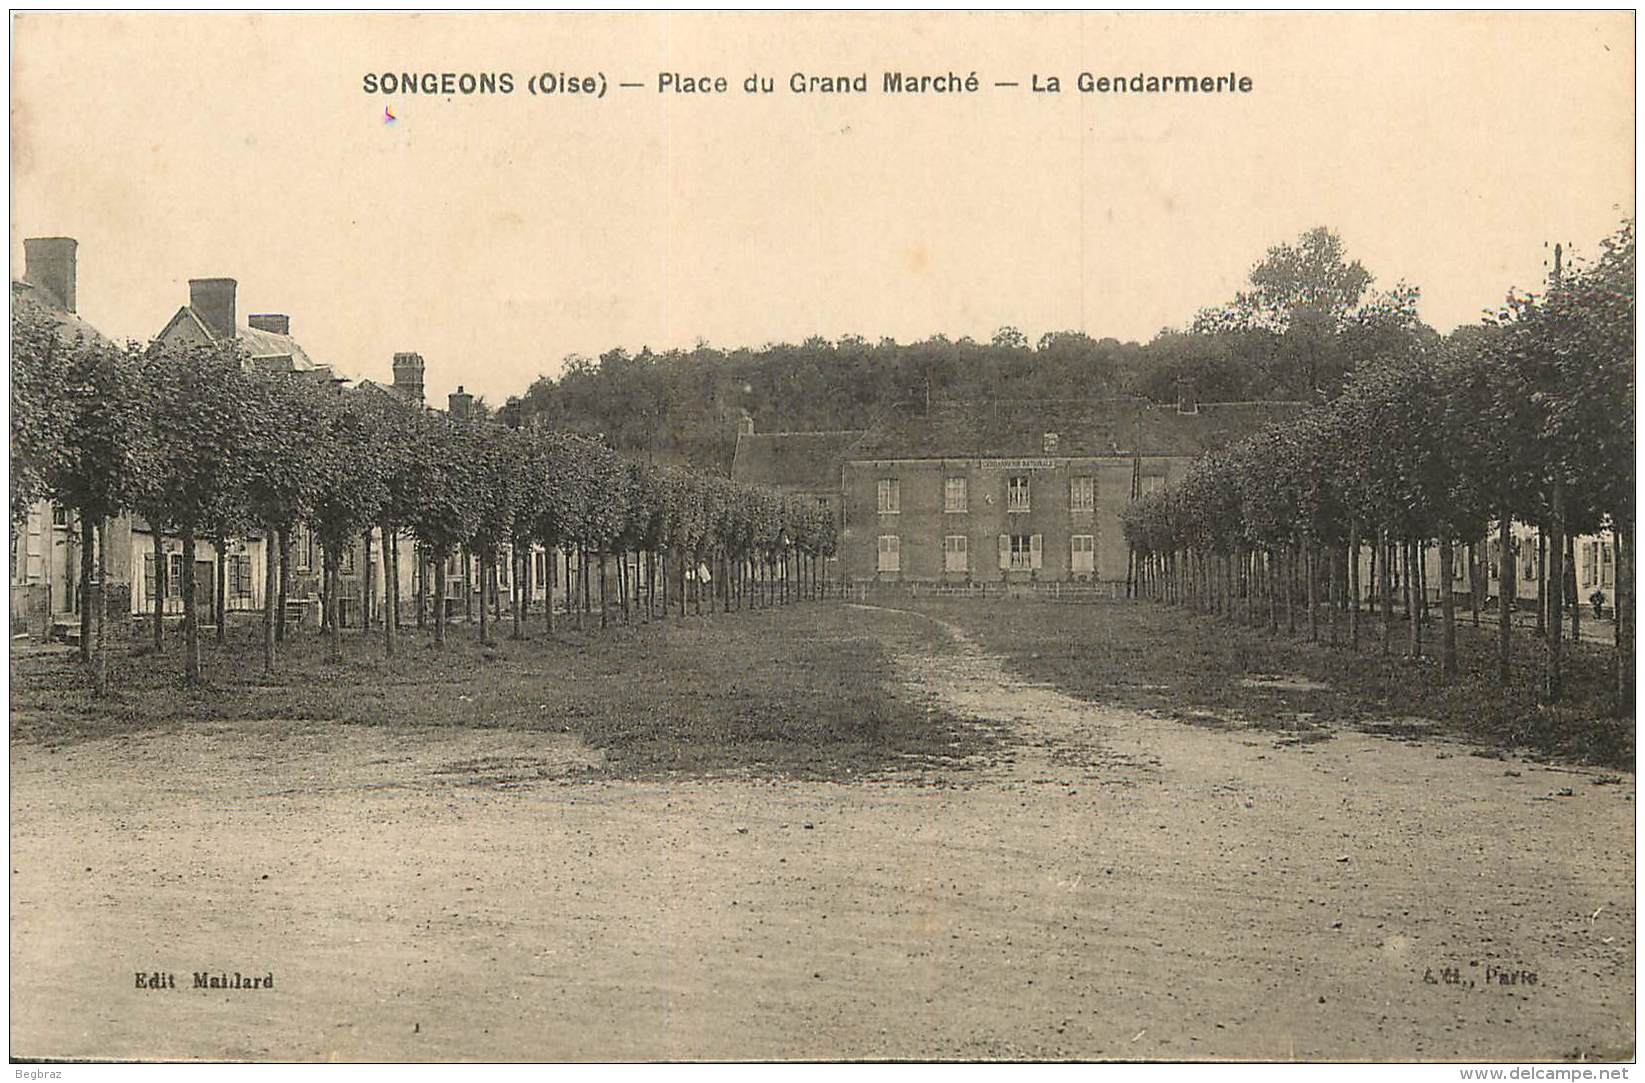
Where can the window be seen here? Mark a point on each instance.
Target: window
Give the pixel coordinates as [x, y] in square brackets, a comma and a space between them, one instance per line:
[1082, 494]
[890, 556]
[1150, 483]
[1590, 563]
[540, 560]
[148, 576]
[174, 576]
[954, 556]
[1084, 554]
[954, 495]
[890, 496]
[1050, 444]
[822, 502]
[1528, 570]
[1016, 493]
[1020, 552]
[242, 577]
[59, 516]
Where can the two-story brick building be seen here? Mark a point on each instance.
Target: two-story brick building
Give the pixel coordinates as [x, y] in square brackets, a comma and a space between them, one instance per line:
[1018, 491]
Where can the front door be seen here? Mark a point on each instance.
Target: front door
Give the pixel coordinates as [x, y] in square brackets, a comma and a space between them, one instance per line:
[205, 593]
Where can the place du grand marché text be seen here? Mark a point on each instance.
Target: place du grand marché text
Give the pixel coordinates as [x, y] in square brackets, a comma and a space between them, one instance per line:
[595, 84]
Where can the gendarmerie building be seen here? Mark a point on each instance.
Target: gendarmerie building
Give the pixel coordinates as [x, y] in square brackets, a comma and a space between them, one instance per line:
[1012, 491]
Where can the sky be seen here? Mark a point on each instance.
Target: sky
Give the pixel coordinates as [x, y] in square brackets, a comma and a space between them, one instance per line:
[496, 234]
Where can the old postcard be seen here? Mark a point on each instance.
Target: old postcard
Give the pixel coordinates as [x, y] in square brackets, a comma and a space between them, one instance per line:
[822, 537]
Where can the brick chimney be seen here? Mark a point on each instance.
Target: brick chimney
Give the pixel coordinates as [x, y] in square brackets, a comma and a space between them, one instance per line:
[408, 375]
[745, 424]
[212, 299]
[277, 322]
[459, 403]
[49, 264]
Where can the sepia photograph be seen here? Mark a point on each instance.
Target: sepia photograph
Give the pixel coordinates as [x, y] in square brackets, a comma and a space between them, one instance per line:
[897, 537]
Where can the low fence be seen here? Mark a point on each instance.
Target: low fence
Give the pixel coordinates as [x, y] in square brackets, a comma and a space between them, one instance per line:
[1074, 593]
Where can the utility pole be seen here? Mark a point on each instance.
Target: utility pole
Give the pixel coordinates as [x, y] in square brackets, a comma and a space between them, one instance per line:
[1555, 585]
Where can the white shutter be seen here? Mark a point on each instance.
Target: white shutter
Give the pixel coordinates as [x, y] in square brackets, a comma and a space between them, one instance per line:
[1005, 552]
[1036, 550]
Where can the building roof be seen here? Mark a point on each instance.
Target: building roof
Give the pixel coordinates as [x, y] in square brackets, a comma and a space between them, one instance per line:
[799, 460]
[259, 344]
[1094, 428]
[71, 323]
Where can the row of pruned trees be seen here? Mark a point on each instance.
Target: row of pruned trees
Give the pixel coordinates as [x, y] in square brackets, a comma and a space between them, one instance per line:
[1435, 442]
[202, 445]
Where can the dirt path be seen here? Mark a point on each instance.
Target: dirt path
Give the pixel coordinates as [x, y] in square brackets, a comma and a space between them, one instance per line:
[1124, 887]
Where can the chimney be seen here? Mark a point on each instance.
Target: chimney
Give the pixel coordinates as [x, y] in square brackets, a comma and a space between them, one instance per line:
[745, 424]
[277, 322]
[459, 403]
[408, 375]
[49, 263]
[212, 299]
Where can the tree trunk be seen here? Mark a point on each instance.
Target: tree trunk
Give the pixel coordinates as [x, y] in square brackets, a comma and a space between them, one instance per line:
[422, 584]
[334, 603]
[100, 656]
[220, 602]
[88, 572]
[1541, 582]
[604, 609]
[522, 588]
[391, 576]
[468, 584]
[391, 591]
[271, 573]
[1386, 587]
[1419, 578]
[622, 582]
[1476, 580]
[367, 586]
[1506, 573]
[548, 588]
[1624, 636]
[1554, 677]
[1353, 584]
[1311, 570]
[161, 576]
[285, 582]
[1447, 607]
[1413, 600]
[1405, 577]
[191, 618]
[440, 557]
[1573, 595]
[486, 564]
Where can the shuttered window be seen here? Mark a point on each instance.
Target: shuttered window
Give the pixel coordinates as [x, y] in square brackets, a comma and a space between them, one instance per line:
[1083, 551]
[890, 556]
[1016, 493]
[954, 555]
[1021, 552]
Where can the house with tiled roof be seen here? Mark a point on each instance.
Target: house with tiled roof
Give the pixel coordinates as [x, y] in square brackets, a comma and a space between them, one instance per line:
[45, 549]
[210, 317]
[802, 464]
